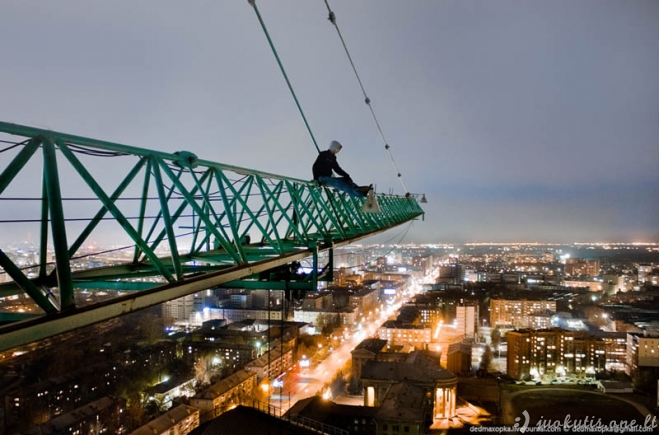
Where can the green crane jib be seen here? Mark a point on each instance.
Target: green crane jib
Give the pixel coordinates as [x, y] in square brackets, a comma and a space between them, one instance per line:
[188, 224]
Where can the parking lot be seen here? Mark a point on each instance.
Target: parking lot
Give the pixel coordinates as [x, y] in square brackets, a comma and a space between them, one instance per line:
[552, 403]
[558, 381]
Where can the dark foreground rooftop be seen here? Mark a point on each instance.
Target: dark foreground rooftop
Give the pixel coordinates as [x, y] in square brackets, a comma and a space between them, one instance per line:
[244, 420]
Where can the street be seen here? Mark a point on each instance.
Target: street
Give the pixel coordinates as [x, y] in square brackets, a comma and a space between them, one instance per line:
[311, 381]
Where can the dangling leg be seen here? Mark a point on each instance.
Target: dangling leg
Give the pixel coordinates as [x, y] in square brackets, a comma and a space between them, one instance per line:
[364, 189]
[343, 184]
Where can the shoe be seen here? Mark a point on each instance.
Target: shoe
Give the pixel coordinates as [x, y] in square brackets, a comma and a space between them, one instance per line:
[364, 189]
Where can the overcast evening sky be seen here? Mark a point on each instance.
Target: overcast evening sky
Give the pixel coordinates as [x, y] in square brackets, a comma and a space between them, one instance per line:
[519, 120]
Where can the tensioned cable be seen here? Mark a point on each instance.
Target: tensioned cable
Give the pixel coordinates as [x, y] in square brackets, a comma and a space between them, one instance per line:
[99, 153]
[332, 19]
[94, 152]
[93, 254]
[402, 231]
[9, 148]
[12, 144]
[283, 71]
[82, 219]
[386, 253]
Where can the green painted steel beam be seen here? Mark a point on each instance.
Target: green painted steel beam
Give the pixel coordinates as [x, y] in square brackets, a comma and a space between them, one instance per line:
[28, 331]
[103, 211]
[17, 164]
[113, 209]
[58, 226]
[25, 131]
[240, 217]
[25, 332]
[26, 285]
[270, 285]
[15, 317]
[168, 220]
[143, 204]
[114, 285]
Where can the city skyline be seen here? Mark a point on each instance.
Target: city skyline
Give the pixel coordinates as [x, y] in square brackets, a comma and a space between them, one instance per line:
[556, 336]
[534, 123]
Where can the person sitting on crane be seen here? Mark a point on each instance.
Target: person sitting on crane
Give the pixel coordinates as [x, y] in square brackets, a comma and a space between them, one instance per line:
[326, 163]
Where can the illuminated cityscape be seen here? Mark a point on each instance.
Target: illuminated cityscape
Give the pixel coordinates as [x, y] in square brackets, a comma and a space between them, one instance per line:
[280, 218]
[467, 325]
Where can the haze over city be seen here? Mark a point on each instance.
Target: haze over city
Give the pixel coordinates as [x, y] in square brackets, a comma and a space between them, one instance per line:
[168, 265]
[451, 323]
[532, 122]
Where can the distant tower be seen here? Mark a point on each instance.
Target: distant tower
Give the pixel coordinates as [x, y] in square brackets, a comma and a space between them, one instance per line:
[467, 319]
[180, 310]
[644, 270]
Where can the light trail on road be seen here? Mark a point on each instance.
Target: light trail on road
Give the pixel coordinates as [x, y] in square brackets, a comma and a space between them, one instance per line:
[313, 381]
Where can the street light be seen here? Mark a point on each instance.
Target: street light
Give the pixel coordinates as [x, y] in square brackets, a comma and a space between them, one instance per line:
[266, 390]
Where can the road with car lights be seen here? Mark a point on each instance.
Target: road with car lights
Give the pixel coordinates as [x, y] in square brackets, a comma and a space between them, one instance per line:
[294, 386]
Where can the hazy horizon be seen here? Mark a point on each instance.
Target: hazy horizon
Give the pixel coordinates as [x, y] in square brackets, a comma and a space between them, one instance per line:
[518, 120]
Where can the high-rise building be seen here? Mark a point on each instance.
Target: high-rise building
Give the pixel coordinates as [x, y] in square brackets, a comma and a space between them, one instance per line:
[424, 263]
[450, 274]
[580, 267]
[613, 284]
[466, 316]
[179, 310]
[241, 300]
[554, 351]
[398, 334]
[517, 312]
[191, 308]
[644, 271]
[616, 349]
[642, 352]
[429, 314]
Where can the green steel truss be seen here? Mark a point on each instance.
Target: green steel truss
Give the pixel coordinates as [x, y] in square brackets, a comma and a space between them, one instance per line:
[182, 225]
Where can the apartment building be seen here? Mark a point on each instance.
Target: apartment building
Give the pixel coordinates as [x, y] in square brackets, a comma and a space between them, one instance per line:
[399, 334]
[516, 312]
[642, 352]
[555, 352]
[466, 316]
[272, 364]
[177, 421]
[225, 394]
[579, 267]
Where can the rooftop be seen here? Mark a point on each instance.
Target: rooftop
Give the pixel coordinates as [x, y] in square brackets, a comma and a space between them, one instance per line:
[404, 401]
[226, 384]
[166, 421]
[243, 420]
[399, 372]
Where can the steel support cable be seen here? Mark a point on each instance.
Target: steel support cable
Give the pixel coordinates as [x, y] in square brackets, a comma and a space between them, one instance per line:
[213, 197]
[110, 250]
[332, 19]
[75, 148]
[12, 144]
[81, 219]
[283, 71]
[93, 254]
[111, 218]
[9, 148]
[96, 153]
[404, 234]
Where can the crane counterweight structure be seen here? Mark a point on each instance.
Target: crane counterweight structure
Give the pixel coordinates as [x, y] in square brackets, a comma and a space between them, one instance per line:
[188, 224]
